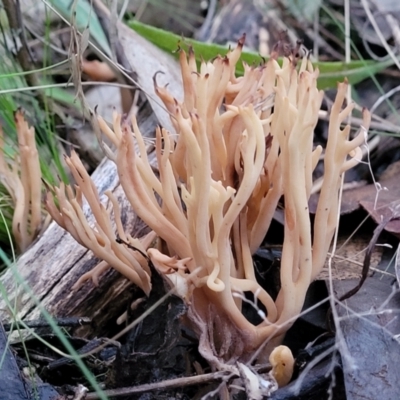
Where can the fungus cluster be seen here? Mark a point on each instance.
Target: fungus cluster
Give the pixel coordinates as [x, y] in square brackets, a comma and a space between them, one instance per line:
[240, 145]
[21, 176]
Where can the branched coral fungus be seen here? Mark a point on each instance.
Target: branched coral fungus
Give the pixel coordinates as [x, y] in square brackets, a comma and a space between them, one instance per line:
[241, 144]
[20, 174]
[101, 239]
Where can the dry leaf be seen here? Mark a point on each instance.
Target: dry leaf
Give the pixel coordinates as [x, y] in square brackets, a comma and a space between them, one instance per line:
[348, 260]
[378, 199]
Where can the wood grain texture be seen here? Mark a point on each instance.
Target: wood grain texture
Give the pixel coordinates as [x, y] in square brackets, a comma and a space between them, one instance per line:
[55, 261]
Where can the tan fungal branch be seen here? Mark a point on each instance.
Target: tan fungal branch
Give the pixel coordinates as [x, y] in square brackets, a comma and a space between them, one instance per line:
[99, 237]
[21, 176]
[242, 144]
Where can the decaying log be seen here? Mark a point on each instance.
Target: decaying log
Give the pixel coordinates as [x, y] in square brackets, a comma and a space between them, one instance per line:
[54, 263]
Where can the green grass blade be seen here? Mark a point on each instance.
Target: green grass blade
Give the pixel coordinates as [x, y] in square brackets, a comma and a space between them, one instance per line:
[330, 72]
[355, 72]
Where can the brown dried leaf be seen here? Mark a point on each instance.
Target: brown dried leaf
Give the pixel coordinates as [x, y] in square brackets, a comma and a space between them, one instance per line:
[388, 200]
[379, 200]
[349, 257]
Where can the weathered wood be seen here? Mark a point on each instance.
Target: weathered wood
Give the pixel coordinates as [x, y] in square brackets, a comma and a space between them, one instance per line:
[54, 263]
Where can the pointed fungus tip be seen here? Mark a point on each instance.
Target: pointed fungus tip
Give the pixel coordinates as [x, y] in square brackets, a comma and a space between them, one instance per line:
[124, 119]
[18, 113]
[155, 77]
[178, 49]
[46, 185]
[242, 40]
[194, 115]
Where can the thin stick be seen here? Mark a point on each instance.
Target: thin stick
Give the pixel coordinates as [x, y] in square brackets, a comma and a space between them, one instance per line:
[163, 385]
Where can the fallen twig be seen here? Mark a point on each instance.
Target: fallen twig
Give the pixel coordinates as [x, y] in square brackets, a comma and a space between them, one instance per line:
[167, 384]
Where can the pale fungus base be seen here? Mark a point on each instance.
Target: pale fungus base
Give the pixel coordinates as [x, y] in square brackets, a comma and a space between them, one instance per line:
[241, 143]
